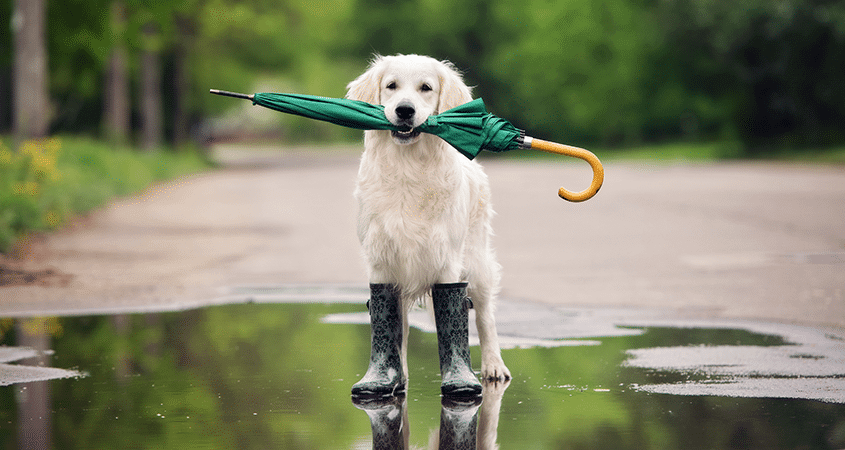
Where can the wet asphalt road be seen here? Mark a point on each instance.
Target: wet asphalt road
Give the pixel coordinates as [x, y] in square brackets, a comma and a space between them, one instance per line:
[724, 241]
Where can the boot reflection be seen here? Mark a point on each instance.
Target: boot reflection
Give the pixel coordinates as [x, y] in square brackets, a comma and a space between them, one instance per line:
[465, 423]
[388, 419]
[458, 421]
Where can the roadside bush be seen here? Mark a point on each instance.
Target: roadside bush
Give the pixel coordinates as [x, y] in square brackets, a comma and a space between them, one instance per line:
[47, 181]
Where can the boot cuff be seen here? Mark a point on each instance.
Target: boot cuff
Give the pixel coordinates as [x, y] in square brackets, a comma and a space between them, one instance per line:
[462, 284]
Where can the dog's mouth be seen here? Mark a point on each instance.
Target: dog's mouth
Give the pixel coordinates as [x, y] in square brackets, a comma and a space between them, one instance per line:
[405, 136]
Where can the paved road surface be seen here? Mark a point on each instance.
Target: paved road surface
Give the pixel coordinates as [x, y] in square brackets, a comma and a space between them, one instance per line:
[727, 240]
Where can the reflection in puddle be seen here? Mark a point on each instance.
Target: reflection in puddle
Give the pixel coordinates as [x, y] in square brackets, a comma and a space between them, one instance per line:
[30, 357]
[279, 376]
[462, 426]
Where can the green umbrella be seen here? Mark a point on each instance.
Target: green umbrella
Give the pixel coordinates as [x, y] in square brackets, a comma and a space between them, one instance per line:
[469, 128]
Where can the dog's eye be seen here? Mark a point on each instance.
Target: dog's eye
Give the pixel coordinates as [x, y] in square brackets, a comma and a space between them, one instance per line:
[391, 85]
[425, 87]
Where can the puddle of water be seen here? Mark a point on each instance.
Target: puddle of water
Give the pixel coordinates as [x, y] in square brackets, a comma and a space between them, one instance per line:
[279, 376]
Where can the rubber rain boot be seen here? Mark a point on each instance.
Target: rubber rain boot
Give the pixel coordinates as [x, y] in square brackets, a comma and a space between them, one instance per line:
[451, 315]
[384, 377]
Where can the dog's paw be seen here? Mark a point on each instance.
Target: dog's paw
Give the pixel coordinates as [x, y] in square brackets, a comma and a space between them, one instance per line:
[494, 369]
[493, 389]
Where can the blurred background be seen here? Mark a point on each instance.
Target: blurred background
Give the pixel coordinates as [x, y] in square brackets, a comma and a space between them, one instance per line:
[754, 78]
[763, 74]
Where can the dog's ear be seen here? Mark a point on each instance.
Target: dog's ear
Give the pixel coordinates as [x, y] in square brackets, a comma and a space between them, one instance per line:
[453, 91]
[367, 86]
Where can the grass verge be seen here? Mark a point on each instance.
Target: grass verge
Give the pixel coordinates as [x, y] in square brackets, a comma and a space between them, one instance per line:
[48, 181]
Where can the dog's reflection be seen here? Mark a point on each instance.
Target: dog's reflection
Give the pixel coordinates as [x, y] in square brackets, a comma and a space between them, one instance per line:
[470, 423]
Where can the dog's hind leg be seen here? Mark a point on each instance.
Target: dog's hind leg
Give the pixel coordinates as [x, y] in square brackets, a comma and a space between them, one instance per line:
[483, 277]
[492, 365]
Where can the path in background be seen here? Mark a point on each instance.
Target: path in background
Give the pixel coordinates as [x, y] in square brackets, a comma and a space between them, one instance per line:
[726, 240]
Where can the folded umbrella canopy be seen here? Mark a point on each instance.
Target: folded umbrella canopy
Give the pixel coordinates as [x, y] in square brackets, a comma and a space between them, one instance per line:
[469, 128]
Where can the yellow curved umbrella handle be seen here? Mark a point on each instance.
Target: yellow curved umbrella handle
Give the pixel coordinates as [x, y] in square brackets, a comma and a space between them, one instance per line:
[575, 152]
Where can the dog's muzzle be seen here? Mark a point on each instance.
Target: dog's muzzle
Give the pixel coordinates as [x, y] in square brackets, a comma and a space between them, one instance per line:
[405, 112]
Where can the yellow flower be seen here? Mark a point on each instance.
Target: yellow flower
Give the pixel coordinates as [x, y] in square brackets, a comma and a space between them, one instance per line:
[26, 188]
[5, 157]
[30, 148]
[53, 145]
[42, 164]
[53, 219]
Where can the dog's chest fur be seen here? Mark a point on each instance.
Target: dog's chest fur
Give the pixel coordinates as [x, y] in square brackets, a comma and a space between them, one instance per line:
[418, 192]
[413, 208]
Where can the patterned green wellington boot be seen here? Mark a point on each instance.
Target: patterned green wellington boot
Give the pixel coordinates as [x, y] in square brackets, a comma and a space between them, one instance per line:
[451, 315]
[384, 377]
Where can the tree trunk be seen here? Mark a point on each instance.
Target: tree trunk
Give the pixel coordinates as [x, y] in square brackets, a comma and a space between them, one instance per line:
[184, 28]
[151, 109]
[30, 96]
[117, 116]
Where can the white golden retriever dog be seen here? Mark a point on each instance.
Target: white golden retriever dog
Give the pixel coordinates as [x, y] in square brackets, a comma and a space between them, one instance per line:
[424, 209]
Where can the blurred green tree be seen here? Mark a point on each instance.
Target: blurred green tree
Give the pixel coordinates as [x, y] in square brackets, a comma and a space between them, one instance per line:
[613, 72]
[774, 66]
[78, 47]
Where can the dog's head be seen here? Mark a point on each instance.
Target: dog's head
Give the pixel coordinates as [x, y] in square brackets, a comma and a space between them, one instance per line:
[411, 88]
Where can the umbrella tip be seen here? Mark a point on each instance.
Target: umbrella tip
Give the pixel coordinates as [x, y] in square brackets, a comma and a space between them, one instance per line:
[230, 94]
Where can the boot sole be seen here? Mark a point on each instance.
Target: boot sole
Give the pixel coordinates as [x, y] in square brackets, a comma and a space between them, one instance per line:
[397, 390]
[466, 391]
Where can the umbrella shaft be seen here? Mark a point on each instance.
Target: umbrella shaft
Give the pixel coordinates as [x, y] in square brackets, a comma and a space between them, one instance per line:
[230, 94]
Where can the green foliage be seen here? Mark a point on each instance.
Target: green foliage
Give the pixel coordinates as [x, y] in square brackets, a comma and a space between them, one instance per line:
[771, 65]
[607, 73]
[46, 182]
[583, 80]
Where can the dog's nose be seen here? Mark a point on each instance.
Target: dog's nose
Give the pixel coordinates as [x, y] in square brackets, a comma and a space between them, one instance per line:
[405, 111]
